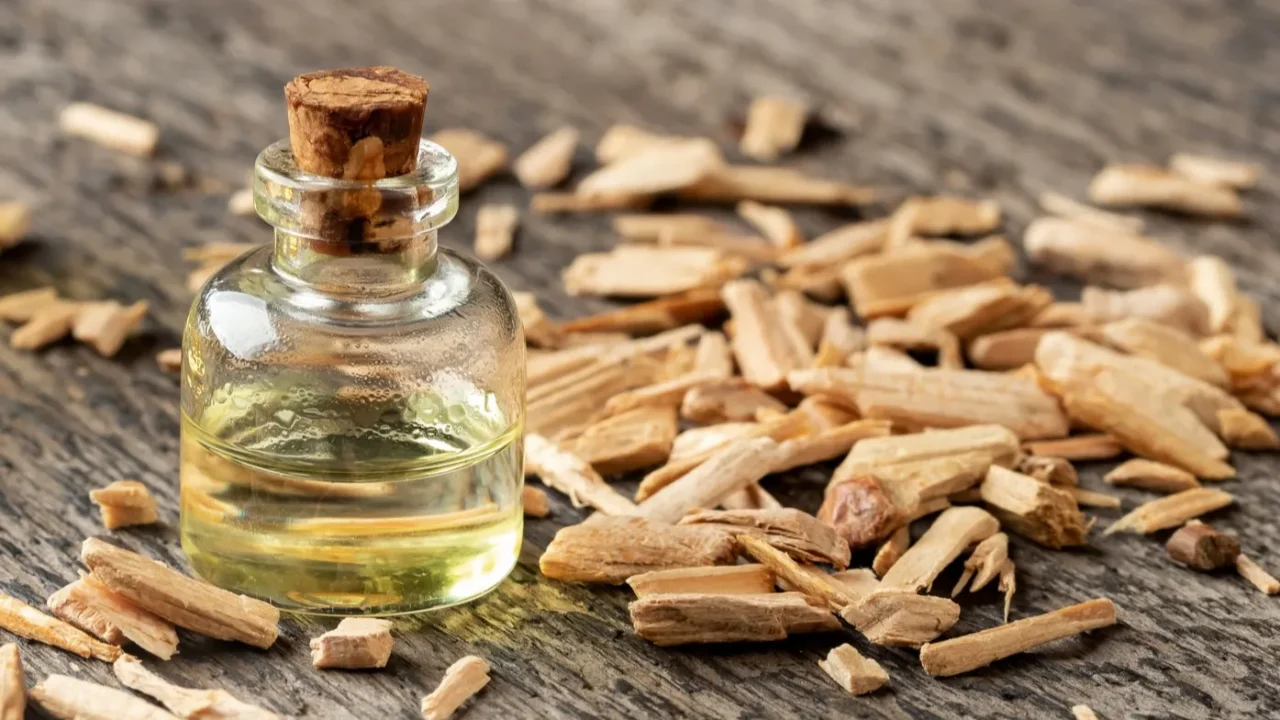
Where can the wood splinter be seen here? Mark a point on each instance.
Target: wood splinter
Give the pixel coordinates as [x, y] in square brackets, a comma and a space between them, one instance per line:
[1171, 511]
[856, 674]
[535, 502]
[970, 652]
[1254, 573]
[547, 162]
[773, 127]
[1201, 547]
[984, 564]
[356, 643]
[92, 607]
[25, 621]
[124, 503]
[1046, 514]
[901, 617]
[462, 680]
[13, 688]
[1151, 475]
[573, 476]
[495, 230]
[184, 702]
[15, 219]
[612, 549]
[110, 129]
[68, 698]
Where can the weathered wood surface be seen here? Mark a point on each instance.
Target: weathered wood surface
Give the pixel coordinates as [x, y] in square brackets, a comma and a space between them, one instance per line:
[1003, 98]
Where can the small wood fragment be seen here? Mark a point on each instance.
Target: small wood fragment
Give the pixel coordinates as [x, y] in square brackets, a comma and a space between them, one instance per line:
[861, 511]
[908, 336]
[981, 309]
[643, 271]
[942, 215]
[240, 203]
[1200, 547]
[479, 157]
[1246, 430]
[621, 141]
[1068, 209]
[660, 168]
[551, 203]
[106, 325]
[1211, 279]
[1041, 512]
[682, 619]
[92, 607]
[15, 220]
[835, 247]
[22, 306]
[813, 582]
[1092, 498]
[714, 356]
[665, 313]
[1063, 315]
[1171, 511]
[49, 325]
[895, 617]
[651, 227]
[783, 186]
[495, 230]
[805, 317]
[891, 550]
[1098, 255]
[463, 679]
[535, 502]
[124, 503]
[1083, 712]
[1254, 573]
[355, 644]
[751, 579]
[1142, 186]
[731, 400]
[68, 698]
[984, 564]
[1210, 170]
[731, 468]
[547, 162]
[1008, 585]
[773, 127]
[890, 284]
[1051, 470]
[853, 672]
[610, 550]
[970, 652]
[1151, 475]
[780, 428]
[186, 702]
[183, 601]
[954, 531]
[765, 347]
[25, 621]
[1166, 345]
[110, 129]
[632, 440]
[573, 476]
[827, 444]
[795, 532]
[13, 683]
[170, 360]
[1166, 304]
[774, 223]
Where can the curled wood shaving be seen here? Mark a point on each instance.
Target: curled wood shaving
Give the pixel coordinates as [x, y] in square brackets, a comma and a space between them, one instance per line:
[687, 618]
[901, 617]
[773, 127]
[1215, 171]
[13, 688]
[573, 476]
[1137, 185]
[110, 129]
[462, 680]
[751, 579]
[1254, 573]
[67, 698]
[495, 230]
[124, 503]
[25, 621]
[970, 652]
[1171, 511]
[853, 672]
[1068, 209]
[186, 702]
[479, 156]
[355, 643]
[1097, 255]
[15, 219]
[610, 550]
[547, 162]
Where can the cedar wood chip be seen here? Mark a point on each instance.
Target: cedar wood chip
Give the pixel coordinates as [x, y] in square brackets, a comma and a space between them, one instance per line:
[25, 621]
[681, 619]
[69, 698]
[464, 678]
[788, 529]
[754, 579]
[185, 702]
[610, 550]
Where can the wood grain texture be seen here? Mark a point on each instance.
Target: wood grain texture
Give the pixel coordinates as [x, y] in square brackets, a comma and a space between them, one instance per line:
[999, 98]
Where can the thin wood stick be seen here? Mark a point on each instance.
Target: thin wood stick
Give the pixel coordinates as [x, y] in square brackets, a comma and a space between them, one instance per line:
[754, 579]
[1254, 573]
[1171, 511]
[573, 476]
[463, 679]
[25, 621]
[13, 688]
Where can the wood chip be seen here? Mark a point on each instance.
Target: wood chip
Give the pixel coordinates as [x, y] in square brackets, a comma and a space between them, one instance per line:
[1102, 256]
[731, 468]
[1142, 186]
[1051, 470]
[665, 394]
[827, 444]
[901, 617]
[621, 141]
[1166, 345]
[835, 247]
[547, 162]
[910, 336]
[714, 356]
[1041, 512]
[765, 347]
[665, 313]
[15, 220]
[13, 687]
[891, 550]
[1083, 712]
[853, 672]
[984, 564]
[22, 306]
[751, 579]
[124, 503]
[1068, 209]
[1246, 430]
[806, 317]
[651, 227]
[1151, 475]
[881, 359]
[731, 400]
[356, 643]
[92, 607]
[1171, 511]
[550, 203]
[970, 652]
[816, 584]
[682, 619]
[183, 601]
[797, 533]
[942, 215]
[1211, 279]
[187, 702]
[49, 325]
[1165, 304]
[67, 698]
[240, 203]
[954, 531]
[1090, 446]
[981, 309]
[781, 428]
[1201, 547]
[495, 230]
[658, 168]
[535, 502]
[774, 223]
[1091, 498]
[642, 271]
[25, 621]
[941, 398]
[462, 680]
[1209, 170]
[110, 129]
[1063, 315]
[610, 550]
[170, 360]
[479, 156]
[105, 326]
[573, 476]
[773, 127]
[732, 183]
[890, 284]
[571, 401]
[1008, 585]
[1254, 573]
[633, 440]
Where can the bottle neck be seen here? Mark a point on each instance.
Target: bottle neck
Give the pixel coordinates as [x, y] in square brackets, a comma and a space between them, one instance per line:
[356, 267]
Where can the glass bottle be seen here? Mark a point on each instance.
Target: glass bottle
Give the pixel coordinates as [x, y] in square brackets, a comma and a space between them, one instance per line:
[352, 403]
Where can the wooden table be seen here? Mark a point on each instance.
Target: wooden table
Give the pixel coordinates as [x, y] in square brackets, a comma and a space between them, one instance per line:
[994, 98]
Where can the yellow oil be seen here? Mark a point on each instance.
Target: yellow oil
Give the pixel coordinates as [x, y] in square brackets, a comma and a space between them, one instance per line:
[395, 519]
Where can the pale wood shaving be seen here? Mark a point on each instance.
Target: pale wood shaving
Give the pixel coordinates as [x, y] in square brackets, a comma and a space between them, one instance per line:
[463, 679]
[495, 230]
[15, 220]
[1041, 512]
[765, 347]
[355, 643]
[853, 672]
[1092, 498]
[183, 601]
[665, 313]
[1167, 345]
[620, 141]
[773, 127]
[827, 444]
[784, 186]
[970, 652]
[984, 563]
[1115, 258]
[1063, 315]
[643, 271]
[1246, 430]
[890, 284]
[1083, 712]
[1215, 171]
[550, 203]
[814, 583]
[1069, 209]
[25, 621]
[105, 326]
[751, 579]
[186, 702]
[535, 502]
[49, 325]
[1171, 511]
[170, 360]
[682, 619]
[747, 248]
[13, 688]
[981, 309]
[657, 168]
[22, 306]
[1008, 585]
[124, 503]
[837, 246]
[1212, 280]
[895, 617]
[573, 476]
[240, 203]
[68, 698]
[996, 444]
[92, 607]
[729, 469]
[547, 162]
[942, 215]
[109, 128]
[907, 336]
[1201, 547]
[730, 400]
[479, 156]
[891, 550]
[1254, 573]
[1142, 186]
[611, 549]
[774, 223]
[779, 429]
[1151, 475]
[955, 530]
[1051, 470]
[650, 227]
[797, 533]
[1090, 446]
[632, 440]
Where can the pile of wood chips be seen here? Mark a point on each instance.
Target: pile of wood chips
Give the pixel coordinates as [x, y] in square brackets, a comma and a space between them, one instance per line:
[957, 400]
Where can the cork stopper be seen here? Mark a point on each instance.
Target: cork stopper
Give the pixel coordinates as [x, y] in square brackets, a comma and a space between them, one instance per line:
[357, 123]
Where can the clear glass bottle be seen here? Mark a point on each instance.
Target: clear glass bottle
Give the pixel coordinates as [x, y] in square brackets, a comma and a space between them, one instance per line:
[352, 408]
